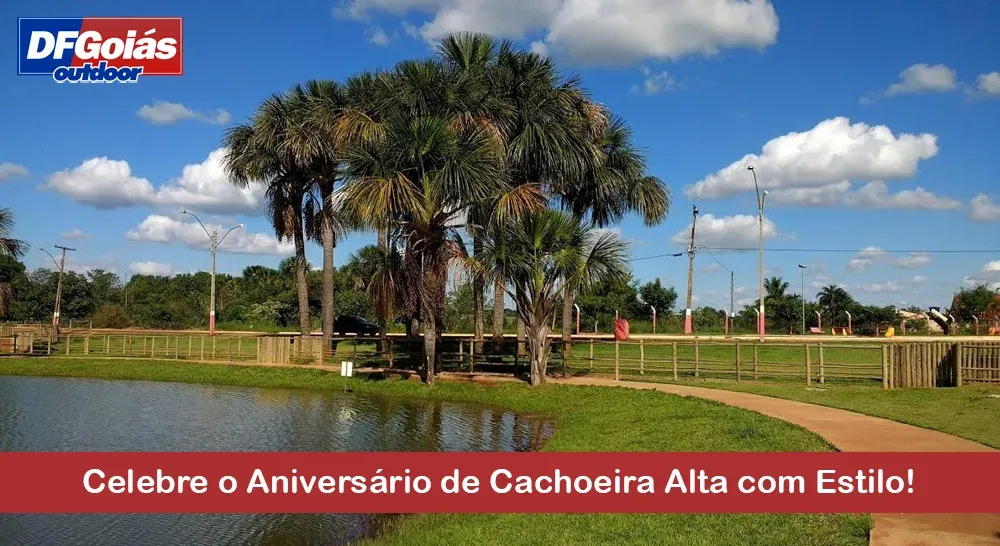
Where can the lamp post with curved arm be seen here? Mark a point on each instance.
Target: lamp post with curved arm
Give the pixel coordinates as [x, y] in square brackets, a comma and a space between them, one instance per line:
[214, 242]
[760, 234]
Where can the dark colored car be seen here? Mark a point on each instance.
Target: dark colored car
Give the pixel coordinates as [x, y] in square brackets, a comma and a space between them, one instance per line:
[354, 325]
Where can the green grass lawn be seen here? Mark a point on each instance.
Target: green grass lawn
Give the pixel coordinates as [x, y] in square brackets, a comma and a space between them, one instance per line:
[587, 419]
[970, 412]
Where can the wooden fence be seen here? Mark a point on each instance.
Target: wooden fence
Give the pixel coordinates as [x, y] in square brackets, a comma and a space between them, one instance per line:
[889, 363]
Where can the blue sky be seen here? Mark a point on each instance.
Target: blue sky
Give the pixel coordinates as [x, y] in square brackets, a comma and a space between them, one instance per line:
[874, 126]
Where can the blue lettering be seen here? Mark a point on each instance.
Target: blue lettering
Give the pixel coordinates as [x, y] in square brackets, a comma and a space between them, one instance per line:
[101, 73]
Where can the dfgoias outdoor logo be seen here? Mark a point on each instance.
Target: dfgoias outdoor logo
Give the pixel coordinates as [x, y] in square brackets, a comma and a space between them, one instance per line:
[100, 49]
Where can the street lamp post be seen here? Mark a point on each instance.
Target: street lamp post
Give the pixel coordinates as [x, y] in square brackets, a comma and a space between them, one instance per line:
[761, 321]
[802, 268]
[214, 241]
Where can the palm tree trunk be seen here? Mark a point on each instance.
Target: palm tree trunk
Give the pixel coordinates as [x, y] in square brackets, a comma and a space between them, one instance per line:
[329, 243]
[383, 244]
[305, 324]
[520, 337]
[498, 312]
[430, 348]
[478, 294]
[538, 349]
[567, 323]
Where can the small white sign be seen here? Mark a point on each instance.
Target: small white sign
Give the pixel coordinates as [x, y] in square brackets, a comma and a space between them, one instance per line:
[346, 368]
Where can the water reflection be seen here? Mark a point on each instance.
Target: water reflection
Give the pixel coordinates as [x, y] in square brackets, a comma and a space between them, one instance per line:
[56, 414]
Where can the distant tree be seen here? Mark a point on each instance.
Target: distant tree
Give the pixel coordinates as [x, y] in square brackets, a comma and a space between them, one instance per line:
[110, 316]
[661, 297]
[833, 301]
[775, 287]
[9, 247]
[973, 302]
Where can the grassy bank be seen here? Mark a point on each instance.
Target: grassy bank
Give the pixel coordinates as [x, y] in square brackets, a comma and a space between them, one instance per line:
[969, 412]
[587, 419]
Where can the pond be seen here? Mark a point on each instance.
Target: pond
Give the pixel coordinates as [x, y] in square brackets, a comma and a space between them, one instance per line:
[60, 414]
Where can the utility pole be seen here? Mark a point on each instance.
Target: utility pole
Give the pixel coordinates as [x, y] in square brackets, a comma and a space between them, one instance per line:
[802, 268]
[214, 241]
[687, 309]
[732, 302]
[761, 321]
[59, 284]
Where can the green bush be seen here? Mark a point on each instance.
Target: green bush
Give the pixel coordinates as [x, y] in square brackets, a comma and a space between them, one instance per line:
[111, 316]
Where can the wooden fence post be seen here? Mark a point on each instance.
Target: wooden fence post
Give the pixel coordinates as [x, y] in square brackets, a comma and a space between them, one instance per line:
[616, 360]
[177, 347]
[107, 345]
[86, 345]
[152, 347]
[31, 343]
[808, 366]
[755, 360]
[202, 349]
[642, 358]
[958, 364]
[822, 366]
[67, 343]
[591, 354]
[739, 375]
[697, 359]
[213, 347]
[48, 348]
[885, 366]
[674, 347]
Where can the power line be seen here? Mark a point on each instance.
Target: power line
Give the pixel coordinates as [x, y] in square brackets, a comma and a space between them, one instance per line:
[830, 250]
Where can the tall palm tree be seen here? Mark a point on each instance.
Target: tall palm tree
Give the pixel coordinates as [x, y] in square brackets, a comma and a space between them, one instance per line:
[263, 152]
[834, 300]
[415, 166]
[9, 246]
[535, 258]
[615, 185]
[776, 288]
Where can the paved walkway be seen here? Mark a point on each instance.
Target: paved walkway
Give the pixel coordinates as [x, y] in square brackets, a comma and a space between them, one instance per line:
[850, 431]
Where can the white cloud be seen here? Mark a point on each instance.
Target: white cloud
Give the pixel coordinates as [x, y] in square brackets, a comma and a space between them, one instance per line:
[831, 152]
[164, 229]
[992, 267]
[868, 256]
[75, 233]
[822, 196]
[915, 260]
[155, 269]
[654, 83]
[106, 184]
[410, 30]
[740, 231]
[597, 32]
[983, 209]
[875, 195]
[924, 78]
[375, 35]
[865, 258]
[919, 279]
[891, 286]
[167, 113]
[11, 170]
[989, 84]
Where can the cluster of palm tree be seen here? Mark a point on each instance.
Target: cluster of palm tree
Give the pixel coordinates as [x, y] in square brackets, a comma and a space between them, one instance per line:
[10, 247]
[482, 141]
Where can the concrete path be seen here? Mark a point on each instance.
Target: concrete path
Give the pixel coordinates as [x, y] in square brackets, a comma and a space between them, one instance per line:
[849, 431]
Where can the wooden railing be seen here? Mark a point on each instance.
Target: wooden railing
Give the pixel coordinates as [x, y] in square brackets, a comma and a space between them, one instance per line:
[890, 363]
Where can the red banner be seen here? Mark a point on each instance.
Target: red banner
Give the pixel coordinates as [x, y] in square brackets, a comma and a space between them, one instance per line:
[499, 482]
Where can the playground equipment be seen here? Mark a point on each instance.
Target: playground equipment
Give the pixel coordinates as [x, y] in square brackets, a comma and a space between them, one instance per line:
[935, 314]
[890, 332]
